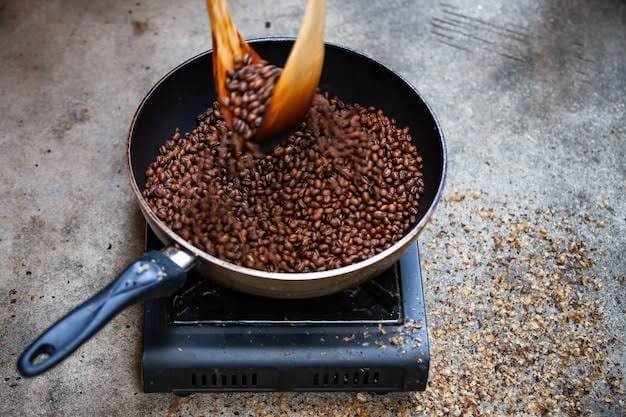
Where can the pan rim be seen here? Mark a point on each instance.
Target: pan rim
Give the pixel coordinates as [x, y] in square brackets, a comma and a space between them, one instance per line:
[404, 242]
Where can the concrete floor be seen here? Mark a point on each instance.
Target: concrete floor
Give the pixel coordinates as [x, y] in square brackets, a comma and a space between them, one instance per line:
[531, 98]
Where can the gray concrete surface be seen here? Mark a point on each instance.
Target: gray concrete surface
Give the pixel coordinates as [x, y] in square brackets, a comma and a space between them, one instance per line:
[531, 97]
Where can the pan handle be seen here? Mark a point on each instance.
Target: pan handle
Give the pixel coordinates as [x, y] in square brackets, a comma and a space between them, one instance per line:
[155, 274]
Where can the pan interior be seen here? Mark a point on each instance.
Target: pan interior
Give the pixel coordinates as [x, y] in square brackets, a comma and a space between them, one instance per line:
[187, 91]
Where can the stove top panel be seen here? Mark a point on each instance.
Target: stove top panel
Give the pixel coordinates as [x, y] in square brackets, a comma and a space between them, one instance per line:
[201, 301]
[209, 339]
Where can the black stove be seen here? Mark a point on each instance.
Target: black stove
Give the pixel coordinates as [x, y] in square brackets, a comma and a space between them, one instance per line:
[208, 338]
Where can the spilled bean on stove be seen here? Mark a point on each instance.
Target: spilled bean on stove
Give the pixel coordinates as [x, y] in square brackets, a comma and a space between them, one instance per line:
[340, 189]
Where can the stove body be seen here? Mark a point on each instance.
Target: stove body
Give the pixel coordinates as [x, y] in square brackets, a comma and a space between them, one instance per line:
[207, 338]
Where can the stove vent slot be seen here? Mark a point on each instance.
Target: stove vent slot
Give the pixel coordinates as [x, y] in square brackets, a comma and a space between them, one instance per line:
[351, 378]
[215, 379]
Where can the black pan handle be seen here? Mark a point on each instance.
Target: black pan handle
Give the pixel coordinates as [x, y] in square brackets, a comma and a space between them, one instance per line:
[155, 274]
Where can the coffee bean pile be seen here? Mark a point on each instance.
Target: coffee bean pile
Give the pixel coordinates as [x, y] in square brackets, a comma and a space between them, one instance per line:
[250, 86]
[340, 189]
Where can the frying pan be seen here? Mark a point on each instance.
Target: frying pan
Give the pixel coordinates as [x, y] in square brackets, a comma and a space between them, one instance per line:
[174, 102]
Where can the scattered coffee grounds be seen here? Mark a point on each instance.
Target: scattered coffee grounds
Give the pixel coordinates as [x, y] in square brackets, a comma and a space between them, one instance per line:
[250, 87]
[342, 188]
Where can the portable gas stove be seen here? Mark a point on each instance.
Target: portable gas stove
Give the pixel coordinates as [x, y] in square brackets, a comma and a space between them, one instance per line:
[208, 338]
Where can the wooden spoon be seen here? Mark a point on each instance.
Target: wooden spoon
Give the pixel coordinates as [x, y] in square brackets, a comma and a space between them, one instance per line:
[228, 45]
[298, 82]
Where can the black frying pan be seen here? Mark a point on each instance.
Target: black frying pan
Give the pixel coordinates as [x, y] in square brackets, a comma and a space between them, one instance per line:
[174, 102]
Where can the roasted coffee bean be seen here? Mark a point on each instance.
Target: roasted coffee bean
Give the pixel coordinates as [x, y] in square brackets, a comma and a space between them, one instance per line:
[250, 88]
[320, 200]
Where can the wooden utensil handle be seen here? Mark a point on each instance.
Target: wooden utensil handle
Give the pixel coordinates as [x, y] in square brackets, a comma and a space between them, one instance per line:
[228, 45]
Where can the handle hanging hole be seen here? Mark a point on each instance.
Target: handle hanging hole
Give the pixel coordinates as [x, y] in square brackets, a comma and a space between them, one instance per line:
[41, 354]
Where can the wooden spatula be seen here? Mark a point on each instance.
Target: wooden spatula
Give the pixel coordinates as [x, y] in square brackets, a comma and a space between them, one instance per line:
[228, 45]
[298, 82]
